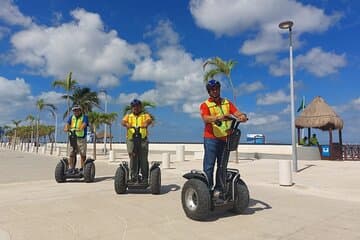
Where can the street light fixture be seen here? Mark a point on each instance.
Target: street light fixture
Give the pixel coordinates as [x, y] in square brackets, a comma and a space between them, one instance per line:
[288, 25]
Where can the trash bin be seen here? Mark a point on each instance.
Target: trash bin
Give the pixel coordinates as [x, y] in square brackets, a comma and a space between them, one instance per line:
[325, 151]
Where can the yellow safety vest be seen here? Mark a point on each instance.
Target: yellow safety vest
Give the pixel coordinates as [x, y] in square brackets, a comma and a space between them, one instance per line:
[216, 110]
[75, 124]
[137, 121]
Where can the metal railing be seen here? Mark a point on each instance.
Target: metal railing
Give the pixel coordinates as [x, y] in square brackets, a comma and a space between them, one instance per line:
[350, 152]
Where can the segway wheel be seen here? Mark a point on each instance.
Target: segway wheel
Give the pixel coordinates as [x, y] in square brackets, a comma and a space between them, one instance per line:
[119, 182]
[60, 172]
[241, 201]
[155, 180]
[89, 172]
[195, 199]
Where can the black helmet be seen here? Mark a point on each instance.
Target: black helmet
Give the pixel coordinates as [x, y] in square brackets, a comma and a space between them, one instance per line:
[212, 83]
[135, 102]
[75, 107]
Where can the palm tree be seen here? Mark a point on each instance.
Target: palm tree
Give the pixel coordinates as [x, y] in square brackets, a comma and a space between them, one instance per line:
[41, 105]
[68, 85]
[220, 67]
[86, 98]
[31, 120]
[109, 118]
[95, 119]
[16, 123]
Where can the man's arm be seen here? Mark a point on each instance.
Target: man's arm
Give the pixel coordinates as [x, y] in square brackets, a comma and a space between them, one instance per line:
[241, 116]
[148, 121]
[67, 125]
[125, 122]
[85, 123]
[206, 117]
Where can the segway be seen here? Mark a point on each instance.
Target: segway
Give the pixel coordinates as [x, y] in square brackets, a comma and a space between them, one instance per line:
[197, 197]
[62, 172]
[123, 181]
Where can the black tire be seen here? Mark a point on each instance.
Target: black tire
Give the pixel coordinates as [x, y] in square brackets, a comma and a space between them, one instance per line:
[155, 181]
[195, 199]
[89, 172]
[60, 172]
[119, 182]
[242, 197]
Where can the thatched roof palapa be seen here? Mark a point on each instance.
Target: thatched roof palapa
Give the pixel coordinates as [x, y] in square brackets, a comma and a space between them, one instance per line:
[318, 114]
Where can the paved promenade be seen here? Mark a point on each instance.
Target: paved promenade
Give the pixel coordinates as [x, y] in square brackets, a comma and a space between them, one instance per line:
[323, 203]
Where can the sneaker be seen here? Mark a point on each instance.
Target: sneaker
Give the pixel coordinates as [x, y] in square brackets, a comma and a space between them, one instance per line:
[81, 170]
[216, 193]
[70, 171]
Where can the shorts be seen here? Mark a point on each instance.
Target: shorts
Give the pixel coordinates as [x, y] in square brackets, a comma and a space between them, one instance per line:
[81, 147]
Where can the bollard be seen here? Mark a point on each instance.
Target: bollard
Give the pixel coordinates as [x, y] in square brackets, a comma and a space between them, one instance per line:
[165, 160]
[43, 150]
[285, 177]
[111, 156]
[180, 153]
[57, 153]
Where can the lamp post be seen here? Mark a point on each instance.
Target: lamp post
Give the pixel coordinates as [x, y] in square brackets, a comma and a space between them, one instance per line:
[288, 25]
[105, 111]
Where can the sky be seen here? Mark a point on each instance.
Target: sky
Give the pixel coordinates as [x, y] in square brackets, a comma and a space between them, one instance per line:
[155, 50]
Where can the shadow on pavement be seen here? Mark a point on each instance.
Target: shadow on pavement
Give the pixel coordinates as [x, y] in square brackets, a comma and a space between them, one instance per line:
[104, 178]
[169, 188]
[225, 211]
[307, 166]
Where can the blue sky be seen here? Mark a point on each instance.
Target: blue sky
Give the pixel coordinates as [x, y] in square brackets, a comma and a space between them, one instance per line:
[154, 50]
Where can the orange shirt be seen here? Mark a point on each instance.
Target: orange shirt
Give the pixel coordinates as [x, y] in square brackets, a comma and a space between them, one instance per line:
[204, 111]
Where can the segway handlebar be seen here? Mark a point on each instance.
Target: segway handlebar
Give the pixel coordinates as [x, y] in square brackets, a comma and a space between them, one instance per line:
[234, 121]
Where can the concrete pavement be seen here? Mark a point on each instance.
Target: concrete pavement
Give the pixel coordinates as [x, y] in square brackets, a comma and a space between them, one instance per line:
[324, 203]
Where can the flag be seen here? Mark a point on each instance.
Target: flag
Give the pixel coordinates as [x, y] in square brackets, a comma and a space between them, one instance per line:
[302, 105]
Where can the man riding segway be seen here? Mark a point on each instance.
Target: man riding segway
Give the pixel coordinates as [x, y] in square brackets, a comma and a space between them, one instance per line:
[137, 144]
[221, 135]
[76, 126]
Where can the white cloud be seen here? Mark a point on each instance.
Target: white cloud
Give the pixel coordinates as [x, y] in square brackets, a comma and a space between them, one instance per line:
[353, 105]
[273, 98]
[256, 119]
[246, 88]
[177, 76]
[315, 61]
[260, 18]
[11, 14]
[320, 63]
[164, 34]
[51, 97]
[81, 46]
[15, 96]
[107, 81]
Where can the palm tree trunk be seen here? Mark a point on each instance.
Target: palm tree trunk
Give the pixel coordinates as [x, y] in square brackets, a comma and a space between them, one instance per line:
[37, 133]
[52, 144]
